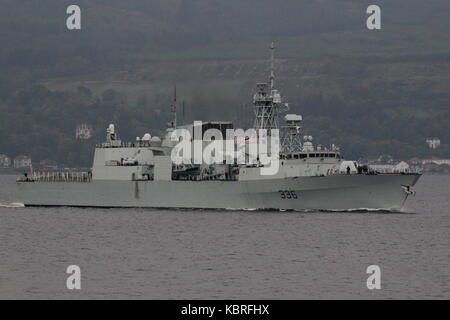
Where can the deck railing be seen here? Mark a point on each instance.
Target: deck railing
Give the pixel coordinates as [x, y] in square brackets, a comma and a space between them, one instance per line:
[69, 176]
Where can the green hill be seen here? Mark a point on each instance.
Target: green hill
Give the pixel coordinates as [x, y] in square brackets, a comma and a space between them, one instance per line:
[371, 92]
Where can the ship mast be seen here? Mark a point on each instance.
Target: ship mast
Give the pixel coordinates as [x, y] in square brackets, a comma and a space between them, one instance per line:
[272, 72]
[267, 100]
[174, 108]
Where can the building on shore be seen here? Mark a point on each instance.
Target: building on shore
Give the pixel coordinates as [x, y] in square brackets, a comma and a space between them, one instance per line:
[400, 167]
[5, 161]
[83, 132]
[429, 164]
[22, 161]
[436, 161]
[433, 143]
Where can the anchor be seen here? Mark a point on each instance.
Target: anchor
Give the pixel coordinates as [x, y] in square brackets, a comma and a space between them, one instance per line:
[408, 190]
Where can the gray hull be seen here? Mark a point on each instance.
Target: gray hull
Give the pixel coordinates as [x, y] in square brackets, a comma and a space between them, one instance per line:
[335, 192]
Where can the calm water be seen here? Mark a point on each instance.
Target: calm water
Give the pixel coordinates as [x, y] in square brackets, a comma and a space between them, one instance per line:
[167, 254]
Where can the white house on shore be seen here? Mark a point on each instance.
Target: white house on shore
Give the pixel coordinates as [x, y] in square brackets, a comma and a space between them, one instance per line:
[5, 161]
[433, 143]
[22, 162]
[391, 168]
[83, 132]
[436, 161]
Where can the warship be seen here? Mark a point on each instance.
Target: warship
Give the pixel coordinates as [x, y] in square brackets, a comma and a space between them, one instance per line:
[142, 173]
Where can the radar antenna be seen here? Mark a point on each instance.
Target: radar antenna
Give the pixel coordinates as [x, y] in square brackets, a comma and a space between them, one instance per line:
[292, 141]
[272, 67]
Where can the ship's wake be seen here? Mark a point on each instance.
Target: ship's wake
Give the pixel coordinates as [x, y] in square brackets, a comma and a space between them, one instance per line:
[353, 210]
[11, 205]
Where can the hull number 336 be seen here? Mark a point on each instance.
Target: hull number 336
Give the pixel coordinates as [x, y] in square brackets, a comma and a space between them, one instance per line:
[287, 194]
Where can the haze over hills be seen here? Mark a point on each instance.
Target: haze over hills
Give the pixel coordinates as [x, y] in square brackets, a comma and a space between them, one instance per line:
[372, 92]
